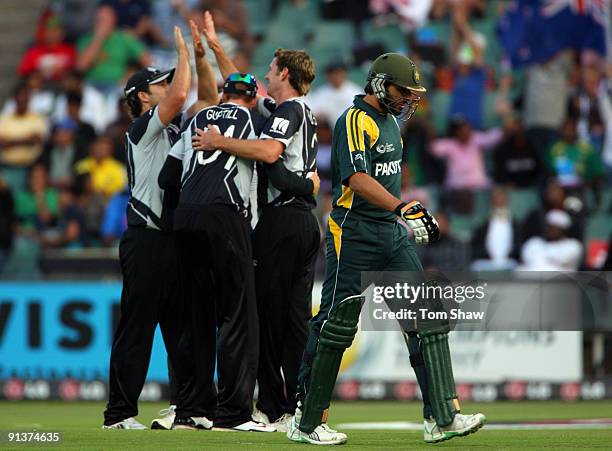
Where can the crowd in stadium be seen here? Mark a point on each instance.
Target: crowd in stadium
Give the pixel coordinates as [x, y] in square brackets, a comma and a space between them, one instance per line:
[515, 162]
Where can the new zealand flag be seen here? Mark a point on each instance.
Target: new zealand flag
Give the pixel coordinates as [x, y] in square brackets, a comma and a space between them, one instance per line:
[532, 31]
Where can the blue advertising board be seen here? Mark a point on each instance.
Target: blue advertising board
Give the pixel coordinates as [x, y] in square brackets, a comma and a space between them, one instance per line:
[63, 329]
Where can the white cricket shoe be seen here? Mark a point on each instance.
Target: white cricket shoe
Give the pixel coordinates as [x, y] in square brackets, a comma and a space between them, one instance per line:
[462, 425]
[192, 423]
[166, 420]
[128, 423]
[322, 435]
[282, 424]
[254, 426]
[260, 417]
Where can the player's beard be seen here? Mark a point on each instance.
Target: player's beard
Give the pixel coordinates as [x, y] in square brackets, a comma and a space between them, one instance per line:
[402, 108]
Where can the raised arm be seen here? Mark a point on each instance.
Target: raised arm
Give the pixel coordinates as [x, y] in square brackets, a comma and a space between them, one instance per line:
[172, 104]
[225, 63]
[207, 83]
[105, 24]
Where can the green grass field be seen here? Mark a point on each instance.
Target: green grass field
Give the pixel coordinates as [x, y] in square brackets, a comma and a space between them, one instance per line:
[81, 424]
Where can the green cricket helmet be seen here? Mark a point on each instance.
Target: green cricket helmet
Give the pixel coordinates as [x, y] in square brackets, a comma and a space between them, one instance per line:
[393, 68]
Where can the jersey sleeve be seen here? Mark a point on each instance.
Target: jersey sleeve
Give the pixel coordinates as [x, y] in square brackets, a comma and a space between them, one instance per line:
[174, 128]
[266, 106]
[357, 135]
[284, 123]
[146, 128]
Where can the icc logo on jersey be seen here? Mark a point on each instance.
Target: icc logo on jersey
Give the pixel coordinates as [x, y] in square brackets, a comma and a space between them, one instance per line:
[384, 148]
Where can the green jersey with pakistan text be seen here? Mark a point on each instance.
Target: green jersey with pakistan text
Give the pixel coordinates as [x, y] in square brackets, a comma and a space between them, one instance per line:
[365, 140]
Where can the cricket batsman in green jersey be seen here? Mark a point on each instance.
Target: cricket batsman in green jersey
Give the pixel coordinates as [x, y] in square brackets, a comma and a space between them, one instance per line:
[363, 235]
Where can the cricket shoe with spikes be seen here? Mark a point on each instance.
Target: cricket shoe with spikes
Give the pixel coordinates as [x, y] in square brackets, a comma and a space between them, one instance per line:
[128, 423]
[282, 424]
[461, 426]
[260, 417]
[192, 423]
[322, 435]
[166, 420]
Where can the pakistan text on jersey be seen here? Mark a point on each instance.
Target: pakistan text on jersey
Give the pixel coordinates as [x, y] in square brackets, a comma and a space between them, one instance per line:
[389, 168]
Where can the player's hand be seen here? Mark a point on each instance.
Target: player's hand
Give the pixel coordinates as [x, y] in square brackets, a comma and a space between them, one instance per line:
[422, 223]
[316, 181]
[207, 139]
[209, 29]
[198, 47]
[179, 42]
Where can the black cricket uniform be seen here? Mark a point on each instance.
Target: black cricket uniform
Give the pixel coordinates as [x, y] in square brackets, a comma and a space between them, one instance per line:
[148, 263]
[215, 264]
[285, 245]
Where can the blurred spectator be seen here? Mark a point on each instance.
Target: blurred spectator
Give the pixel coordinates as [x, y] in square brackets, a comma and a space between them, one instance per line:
[605, 104]
[586, 109]
[92, 106]
[441, 8]
[7, 222]
[108, 176]
[468, 91]
[230, 18]
[76, 16]
[324, 142]
[117, 130]
[331, 99]
[424, 168]
[85, 133]
[37, 206]
[52, 56]
[555, 251]
[463, 153]
[168, 13]
[41, 99]
[69, 231]
[545, 100]
[114, 222]
[413, 15]
[61, 153]
[92, 205]
[555, 198]
[574, 163]
[516, 162]
[495, 244]
[104, 54]
[133, 16]
[21, 136]
[446, 254]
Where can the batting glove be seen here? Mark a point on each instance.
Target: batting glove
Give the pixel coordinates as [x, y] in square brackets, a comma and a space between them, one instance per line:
[422, 223]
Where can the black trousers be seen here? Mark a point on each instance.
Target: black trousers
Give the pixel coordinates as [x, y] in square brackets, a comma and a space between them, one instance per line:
[217, 281]
[149, 297]
[285, 246]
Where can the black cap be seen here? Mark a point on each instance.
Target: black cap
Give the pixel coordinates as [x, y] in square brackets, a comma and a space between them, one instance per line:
[145, 77]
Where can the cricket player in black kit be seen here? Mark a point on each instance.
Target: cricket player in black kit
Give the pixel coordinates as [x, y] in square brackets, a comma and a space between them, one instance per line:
[147, 250]
[212, 224]
[287, 236]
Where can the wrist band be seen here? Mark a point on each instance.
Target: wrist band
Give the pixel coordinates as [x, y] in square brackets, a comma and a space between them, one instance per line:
[398, 209]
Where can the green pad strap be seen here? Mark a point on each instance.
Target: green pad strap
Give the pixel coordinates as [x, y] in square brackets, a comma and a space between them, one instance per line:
[336, 335]
[441, 382]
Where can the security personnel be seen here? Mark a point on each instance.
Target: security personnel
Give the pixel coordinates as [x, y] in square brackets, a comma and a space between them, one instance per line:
[363, 235]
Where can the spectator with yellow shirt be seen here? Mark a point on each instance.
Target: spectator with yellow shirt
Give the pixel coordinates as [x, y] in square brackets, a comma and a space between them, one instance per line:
[108, 176]
[21, 138]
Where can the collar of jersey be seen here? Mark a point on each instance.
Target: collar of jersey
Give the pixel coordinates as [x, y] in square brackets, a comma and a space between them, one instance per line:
[363, 105]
